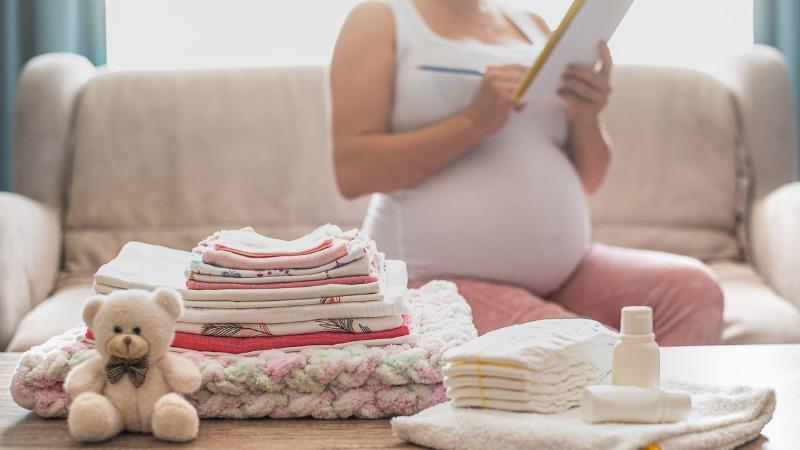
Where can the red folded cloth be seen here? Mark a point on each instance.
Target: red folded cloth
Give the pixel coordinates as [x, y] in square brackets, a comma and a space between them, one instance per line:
[237, 345]
[356, 279]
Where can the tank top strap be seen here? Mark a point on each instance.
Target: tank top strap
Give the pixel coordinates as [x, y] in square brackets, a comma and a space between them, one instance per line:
[522, 20]
[408, 25]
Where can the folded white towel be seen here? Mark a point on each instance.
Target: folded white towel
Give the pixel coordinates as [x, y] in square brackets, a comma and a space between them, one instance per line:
[721, 418]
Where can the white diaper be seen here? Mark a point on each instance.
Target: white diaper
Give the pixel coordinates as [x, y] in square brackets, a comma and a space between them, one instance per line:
[540, 345]
[540, 366]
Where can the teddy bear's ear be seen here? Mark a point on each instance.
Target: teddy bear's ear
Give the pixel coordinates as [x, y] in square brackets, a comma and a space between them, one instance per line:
[90, 309]
[170, 301]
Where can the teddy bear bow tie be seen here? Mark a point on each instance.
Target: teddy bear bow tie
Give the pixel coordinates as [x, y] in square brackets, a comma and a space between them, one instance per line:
[136, 369]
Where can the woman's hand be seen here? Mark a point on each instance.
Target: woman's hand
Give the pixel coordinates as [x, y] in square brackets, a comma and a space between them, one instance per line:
[586, 89]
[492, 107]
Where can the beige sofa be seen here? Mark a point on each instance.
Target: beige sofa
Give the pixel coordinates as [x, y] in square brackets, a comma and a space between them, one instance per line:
[703, 166]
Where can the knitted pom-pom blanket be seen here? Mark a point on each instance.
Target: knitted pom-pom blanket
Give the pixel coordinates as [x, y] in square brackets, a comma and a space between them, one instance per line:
[354, 381]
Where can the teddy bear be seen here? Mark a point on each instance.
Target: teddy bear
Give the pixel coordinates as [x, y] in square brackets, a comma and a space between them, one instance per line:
[133, 383]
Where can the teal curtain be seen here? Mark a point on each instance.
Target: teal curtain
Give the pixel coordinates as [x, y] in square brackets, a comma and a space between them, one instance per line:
[32, 27]
[777, 23]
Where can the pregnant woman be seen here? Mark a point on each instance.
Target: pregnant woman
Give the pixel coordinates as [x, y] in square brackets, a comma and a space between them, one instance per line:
[474, 187]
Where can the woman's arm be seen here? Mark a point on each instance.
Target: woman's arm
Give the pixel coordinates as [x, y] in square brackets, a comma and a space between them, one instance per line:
[367, 157]
[586, 92]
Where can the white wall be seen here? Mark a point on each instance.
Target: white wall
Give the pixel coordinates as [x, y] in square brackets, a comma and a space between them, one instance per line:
[222, 33]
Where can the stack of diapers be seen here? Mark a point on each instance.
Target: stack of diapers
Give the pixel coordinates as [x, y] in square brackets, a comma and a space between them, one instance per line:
[539, 366]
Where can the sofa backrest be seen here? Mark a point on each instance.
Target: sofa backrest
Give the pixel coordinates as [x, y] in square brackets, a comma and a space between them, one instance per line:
[169, 156]
[677, 179]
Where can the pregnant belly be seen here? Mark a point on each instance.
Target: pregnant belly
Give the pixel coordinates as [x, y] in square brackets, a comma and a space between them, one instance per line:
[506, 212]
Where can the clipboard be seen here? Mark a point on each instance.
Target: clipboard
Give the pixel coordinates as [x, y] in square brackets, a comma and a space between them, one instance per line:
[574, 42]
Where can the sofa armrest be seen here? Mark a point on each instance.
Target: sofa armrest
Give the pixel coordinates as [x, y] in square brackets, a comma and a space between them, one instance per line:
[47, 94]
[775, 239]
[30, 239]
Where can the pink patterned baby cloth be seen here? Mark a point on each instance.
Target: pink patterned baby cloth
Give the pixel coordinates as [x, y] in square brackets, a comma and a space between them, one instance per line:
[227, 309]
[315, 252]
[354, 380]
[245, 241]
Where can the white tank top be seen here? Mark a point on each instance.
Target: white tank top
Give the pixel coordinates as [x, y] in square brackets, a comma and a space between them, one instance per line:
[512, 208]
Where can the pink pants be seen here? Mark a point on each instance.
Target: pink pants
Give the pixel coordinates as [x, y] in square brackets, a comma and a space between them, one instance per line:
[686, 299]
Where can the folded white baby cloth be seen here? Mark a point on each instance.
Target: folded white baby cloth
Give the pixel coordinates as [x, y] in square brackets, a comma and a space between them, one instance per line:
[147, 266]
[221, 304]
[248, 295]
[540, 366]
[361, 266]
[721, 418]
[359, 246]
[392, 304]
[247, 241]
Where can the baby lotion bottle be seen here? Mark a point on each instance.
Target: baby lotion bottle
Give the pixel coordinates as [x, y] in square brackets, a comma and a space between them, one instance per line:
[630, 404]
[636, 359]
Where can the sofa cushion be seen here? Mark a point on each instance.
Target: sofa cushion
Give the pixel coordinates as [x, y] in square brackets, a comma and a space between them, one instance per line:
[167, 157]
[60, 312]
[675, 179]
[754, 313]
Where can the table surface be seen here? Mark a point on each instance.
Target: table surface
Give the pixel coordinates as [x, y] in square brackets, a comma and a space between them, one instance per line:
[777, 366]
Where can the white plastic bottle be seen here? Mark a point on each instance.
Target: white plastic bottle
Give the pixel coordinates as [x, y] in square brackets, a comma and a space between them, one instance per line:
[630, 404]
[636, 357]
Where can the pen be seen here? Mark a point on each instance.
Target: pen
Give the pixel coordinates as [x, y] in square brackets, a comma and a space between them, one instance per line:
[459, 70]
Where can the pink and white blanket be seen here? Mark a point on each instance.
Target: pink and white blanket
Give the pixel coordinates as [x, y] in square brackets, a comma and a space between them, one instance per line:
[353, 381]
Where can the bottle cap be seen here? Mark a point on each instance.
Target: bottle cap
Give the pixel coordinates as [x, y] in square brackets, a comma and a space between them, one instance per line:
[637, 320]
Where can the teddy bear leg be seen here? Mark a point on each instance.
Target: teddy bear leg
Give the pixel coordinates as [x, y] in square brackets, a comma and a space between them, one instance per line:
[174, 419]
[93, 418]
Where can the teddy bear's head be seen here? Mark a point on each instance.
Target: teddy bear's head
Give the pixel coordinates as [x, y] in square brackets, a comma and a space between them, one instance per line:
[132, 324]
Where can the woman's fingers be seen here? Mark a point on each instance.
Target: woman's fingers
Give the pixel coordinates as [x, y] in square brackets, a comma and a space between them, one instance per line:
[606, 61]
[588, 76]
[584, 91]
[592, 83]
[572, 98]
[513, 72]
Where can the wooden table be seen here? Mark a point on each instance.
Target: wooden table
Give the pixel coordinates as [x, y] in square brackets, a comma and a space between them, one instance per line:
[777, 366]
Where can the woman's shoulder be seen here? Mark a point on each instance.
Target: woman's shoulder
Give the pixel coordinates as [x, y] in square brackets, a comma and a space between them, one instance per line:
[372, 11]
[372, 19]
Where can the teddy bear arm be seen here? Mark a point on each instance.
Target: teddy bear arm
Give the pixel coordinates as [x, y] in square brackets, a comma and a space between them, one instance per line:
[181, 375]
[89, 376]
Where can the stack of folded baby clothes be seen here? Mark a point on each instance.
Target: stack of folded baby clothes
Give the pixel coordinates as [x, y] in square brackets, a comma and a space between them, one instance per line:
[540, 366]
[246, 293]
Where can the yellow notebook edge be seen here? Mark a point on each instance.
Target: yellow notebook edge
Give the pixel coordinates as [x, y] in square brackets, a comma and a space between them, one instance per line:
[548, 48]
